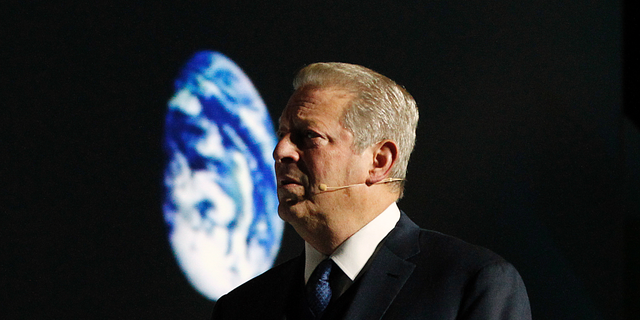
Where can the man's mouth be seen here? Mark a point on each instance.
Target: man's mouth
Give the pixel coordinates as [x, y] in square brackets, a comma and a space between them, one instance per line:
[290, 190]
[288, 181]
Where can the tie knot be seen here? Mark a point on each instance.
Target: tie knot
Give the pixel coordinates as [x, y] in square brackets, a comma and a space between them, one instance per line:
[319, 290]
[322, 271]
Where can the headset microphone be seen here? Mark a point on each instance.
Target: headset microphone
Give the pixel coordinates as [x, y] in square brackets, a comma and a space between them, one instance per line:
[323, 187]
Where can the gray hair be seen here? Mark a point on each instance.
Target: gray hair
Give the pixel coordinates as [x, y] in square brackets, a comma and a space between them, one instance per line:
[381, 110]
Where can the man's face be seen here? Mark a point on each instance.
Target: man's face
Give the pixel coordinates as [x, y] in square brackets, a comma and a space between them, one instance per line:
[314, 148]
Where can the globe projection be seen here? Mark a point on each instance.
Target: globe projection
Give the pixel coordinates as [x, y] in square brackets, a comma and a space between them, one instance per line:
[220, 202]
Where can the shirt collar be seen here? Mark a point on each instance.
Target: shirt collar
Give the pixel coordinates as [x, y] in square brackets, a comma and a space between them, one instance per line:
[352, 255]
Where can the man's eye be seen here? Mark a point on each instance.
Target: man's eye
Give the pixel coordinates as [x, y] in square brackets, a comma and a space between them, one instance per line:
[310, 134]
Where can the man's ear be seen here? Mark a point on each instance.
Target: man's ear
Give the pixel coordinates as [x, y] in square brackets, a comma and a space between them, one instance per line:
[385, 155]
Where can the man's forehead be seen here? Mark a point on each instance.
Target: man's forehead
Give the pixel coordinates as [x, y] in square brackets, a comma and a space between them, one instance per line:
[291, 119]
[310, 101]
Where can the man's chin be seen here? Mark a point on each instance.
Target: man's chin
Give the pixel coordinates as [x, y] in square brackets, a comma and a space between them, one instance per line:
[290, 209]
[289, 197]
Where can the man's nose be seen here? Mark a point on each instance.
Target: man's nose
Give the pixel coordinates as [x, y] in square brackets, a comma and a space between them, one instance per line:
[286, 150]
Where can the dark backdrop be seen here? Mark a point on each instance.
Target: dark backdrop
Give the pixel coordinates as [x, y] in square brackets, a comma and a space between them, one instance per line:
[523, 146]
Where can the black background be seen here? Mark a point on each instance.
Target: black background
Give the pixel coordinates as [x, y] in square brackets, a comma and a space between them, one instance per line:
[525, 143]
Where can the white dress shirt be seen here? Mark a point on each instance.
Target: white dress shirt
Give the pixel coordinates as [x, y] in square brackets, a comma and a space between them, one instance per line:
[353, 254]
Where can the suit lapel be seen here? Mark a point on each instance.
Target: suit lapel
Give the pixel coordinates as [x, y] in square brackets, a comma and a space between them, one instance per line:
[387, 272]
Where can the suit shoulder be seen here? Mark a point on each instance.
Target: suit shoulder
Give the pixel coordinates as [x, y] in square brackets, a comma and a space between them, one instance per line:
[451, 250]
[476, 281]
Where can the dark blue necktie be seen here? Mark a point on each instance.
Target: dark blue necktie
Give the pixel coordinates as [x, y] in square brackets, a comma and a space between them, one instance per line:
[318, 289]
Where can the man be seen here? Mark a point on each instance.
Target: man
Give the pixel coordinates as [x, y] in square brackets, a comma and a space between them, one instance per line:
[345, 139]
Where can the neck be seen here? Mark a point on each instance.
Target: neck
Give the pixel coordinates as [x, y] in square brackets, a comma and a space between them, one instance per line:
[343, 221]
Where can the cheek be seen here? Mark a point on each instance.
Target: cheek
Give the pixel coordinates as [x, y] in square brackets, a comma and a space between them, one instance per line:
[317, 166]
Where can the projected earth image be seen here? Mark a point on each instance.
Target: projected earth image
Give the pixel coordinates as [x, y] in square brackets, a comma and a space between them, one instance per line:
[220, 200]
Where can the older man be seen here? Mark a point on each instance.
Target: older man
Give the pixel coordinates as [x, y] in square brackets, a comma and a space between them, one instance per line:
[345, 139]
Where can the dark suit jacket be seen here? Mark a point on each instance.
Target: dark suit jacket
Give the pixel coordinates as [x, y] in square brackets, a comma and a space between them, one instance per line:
[415, 274]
